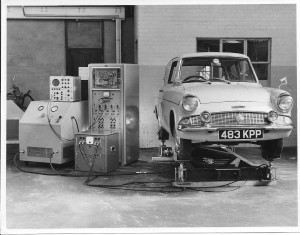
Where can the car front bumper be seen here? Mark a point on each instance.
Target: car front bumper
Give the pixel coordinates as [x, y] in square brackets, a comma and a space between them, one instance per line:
[211, 134]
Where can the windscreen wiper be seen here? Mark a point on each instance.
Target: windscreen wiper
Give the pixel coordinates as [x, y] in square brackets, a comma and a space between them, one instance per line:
[221, 80]
[189, 81]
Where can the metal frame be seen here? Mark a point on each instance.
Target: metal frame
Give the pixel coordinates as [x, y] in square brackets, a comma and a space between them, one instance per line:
[65, 12]
[223, 168]
[238, 171]
[118, 41]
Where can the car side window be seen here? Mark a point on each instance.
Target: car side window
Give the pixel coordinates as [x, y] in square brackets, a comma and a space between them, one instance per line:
[172, 72]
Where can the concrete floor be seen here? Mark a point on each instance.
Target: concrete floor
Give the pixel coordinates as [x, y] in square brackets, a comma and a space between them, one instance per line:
[47, 202]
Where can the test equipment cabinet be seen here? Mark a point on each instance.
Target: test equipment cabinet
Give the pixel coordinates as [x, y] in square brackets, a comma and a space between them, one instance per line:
[96, 152]
[47, 130]
[65, 88]
[114, 105]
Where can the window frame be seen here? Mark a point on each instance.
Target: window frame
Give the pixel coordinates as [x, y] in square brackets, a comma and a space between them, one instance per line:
[167, 72]
[245, 51]
[172, 71]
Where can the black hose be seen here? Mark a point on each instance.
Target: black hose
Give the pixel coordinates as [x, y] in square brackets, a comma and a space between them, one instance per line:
[76, 122]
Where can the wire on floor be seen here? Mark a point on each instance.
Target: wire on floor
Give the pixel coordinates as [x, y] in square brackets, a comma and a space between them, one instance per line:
[169, 188]
[126, 186]
[57, 173]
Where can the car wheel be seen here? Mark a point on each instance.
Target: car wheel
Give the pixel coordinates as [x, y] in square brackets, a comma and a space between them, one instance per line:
[183, 148]
[271, 149]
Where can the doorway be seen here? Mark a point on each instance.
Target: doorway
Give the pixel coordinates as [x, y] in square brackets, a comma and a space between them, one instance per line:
[84, 44]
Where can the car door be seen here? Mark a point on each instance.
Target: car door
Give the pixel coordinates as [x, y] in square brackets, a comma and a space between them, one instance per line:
[165, 103]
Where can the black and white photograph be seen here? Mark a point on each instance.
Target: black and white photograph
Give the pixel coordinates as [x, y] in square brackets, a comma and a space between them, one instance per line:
[149, 117]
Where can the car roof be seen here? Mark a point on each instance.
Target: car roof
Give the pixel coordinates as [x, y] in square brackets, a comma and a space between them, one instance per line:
[212, 54]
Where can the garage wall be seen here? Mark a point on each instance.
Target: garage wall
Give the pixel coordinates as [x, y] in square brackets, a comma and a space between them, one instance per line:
[163, 32]
[35, 50]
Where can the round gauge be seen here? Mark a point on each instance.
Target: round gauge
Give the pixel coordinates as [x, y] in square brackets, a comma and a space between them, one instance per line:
[40, 108]
[54, 108]
[55, 82]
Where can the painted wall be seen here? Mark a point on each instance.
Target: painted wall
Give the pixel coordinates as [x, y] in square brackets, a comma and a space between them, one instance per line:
[35, 50]
[163, 32]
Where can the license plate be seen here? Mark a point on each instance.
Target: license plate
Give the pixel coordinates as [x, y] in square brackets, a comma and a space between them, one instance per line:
[243, 134]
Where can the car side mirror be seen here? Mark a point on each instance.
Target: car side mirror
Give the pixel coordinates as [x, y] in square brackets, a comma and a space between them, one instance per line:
[282, 81]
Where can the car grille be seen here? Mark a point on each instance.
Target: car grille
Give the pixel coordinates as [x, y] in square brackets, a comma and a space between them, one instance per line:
[231, 119]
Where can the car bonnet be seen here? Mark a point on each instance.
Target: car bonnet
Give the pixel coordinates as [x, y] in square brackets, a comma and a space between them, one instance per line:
[217, 92]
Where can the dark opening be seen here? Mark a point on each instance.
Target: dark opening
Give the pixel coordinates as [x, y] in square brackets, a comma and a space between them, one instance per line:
[208, 45]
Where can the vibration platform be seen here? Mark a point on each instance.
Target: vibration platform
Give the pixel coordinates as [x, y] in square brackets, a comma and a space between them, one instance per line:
[218, 166]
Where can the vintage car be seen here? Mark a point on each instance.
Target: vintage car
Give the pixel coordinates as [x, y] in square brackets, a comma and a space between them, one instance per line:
[215, 98]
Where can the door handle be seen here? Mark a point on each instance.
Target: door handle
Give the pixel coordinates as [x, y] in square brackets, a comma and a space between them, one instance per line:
[161, 90]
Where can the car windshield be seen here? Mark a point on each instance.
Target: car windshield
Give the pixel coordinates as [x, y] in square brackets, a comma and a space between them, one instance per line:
[216, 69]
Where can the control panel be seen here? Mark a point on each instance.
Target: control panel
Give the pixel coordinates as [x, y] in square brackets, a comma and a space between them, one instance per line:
[104, 78]
[44, 112]
[65, 88]
[113, 105]
[106, 110]
[96, 152]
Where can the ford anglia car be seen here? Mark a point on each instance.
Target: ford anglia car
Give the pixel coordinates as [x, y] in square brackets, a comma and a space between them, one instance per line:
[215, 98]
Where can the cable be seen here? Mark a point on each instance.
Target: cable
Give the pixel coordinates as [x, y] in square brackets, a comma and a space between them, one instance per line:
[98, 174]
[76, 122]
[83, 149]
[82, 154]
[96, 120]
[57, 173]
[32, 172]
[132, 186]
[149, 188]
[52, 168]
[125, 185]
[217, 191]
[142, 190]
[136, 182]
[120, 187]
[93, 162]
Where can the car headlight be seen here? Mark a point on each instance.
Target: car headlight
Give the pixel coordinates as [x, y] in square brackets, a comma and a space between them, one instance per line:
[190, 103]
[285, 103]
